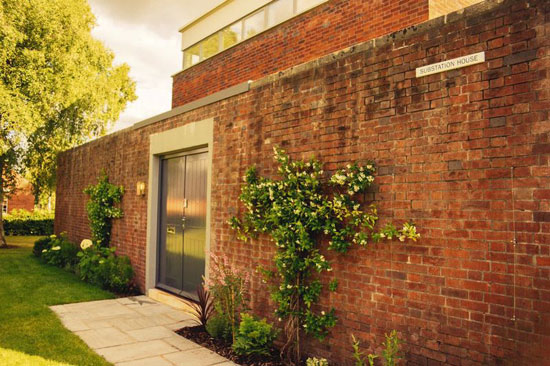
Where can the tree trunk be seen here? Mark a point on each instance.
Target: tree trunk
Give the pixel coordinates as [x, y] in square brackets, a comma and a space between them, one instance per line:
[3, 243]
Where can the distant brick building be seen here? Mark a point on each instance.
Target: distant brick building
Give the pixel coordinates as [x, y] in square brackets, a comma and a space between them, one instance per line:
[21, 199]
[464, 152]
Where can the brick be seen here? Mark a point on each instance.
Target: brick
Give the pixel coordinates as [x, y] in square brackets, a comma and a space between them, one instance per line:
[445, 165]
[541, 216]
[516, 58]
[497, 122]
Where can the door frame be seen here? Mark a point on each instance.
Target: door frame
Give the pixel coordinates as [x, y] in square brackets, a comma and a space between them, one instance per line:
[187, 138]
[180, 154]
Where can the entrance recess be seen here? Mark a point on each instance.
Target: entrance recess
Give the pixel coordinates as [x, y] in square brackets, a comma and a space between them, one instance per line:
[182, 229]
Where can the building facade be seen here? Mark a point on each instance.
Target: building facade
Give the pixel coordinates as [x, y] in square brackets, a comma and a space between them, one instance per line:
[21, 199]
[464, 153]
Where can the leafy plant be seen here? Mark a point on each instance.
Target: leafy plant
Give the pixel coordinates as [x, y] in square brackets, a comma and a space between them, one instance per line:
[391, 349]
[299, 211]
[60, 253]
[229, 291]
[316, 362]
[255, 337]
[218, 327]
[100, 266]
[41, 244]
[101, 208]
[23, 222]
[390, 354]
[204, 308]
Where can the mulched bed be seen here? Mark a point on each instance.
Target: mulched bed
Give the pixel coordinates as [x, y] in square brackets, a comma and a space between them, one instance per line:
[199, 335]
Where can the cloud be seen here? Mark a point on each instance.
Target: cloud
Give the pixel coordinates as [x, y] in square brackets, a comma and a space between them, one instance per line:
[144, 34]
[164, 17]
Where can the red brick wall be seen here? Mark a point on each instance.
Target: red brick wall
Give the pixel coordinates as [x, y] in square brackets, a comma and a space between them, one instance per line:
[22, 199]
[330, 27]
[465, 154]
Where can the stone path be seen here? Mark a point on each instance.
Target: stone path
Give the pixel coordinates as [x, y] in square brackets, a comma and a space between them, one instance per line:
[136, 331]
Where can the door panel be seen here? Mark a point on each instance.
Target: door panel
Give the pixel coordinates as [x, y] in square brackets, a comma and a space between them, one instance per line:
[171, 222]
[194, 236]
[182, 235]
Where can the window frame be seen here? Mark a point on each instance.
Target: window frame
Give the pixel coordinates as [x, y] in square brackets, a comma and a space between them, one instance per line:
[243, 38]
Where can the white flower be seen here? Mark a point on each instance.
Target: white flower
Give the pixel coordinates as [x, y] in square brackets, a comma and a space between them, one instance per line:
[322, 313]
[44, 250]
[85, 244]
[53, 236]
[56, 248]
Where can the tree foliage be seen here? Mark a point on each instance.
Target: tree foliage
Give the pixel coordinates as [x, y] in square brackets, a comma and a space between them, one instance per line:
[58, 85]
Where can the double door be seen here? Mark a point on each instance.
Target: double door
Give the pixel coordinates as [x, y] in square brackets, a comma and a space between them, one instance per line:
[182, 236]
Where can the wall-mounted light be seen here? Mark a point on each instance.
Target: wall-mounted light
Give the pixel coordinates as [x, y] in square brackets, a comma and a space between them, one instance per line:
[140, 189]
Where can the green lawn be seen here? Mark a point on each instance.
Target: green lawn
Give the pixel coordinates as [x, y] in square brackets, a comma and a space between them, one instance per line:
[27, 326]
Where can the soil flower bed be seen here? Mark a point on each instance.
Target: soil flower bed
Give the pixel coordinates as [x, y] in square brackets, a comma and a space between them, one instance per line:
[200, 336]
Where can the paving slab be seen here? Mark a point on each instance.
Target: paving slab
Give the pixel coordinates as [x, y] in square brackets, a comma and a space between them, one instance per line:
[136, 331]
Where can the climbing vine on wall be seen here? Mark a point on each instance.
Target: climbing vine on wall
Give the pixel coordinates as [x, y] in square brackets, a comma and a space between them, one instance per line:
[299, 211]
[101, 208]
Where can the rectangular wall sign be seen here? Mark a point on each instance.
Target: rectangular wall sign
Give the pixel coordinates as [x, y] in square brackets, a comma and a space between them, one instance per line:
[455, 63]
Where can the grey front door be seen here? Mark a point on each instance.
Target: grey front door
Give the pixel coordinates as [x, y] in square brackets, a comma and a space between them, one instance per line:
[182, 235]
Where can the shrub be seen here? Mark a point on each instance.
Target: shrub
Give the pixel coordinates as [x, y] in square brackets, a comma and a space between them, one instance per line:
[101, 210]
[23, 222]
[255, 337]
[316, 362]
[229, 290]
[218, 327]
[61, 253]
[41, 244]
[100, 266]
[204, 308]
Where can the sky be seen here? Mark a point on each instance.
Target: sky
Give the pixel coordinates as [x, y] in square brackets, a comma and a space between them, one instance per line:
[144, 34]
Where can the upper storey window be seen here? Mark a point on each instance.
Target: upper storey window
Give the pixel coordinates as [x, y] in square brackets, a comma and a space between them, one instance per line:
[268, 16]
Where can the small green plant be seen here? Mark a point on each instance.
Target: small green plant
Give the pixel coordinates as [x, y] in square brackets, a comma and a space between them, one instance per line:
[61, 253]
[229, 291]
[101, 208]
[255, 337]
[390, 354]
[218, 327]
[100, 266]
[391, 349]
[41, 244]
[316, 362]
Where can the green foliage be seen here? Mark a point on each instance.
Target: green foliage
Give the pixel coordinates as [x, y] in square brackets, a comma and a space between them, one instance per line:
[255, 337]
[218, 327]
[299, 211]
[100, 266]
[390, 354]
[21, 214]
[61, 253]
[58, 85]
[229, 290]
[101, 210]
[17, 227]
[316, 362]
[41, 244]
[23, 222]
[391, 349]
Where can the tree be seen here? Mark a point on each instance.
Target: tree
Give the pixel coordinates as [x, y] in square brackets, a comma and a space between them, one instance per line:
[58, 86]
